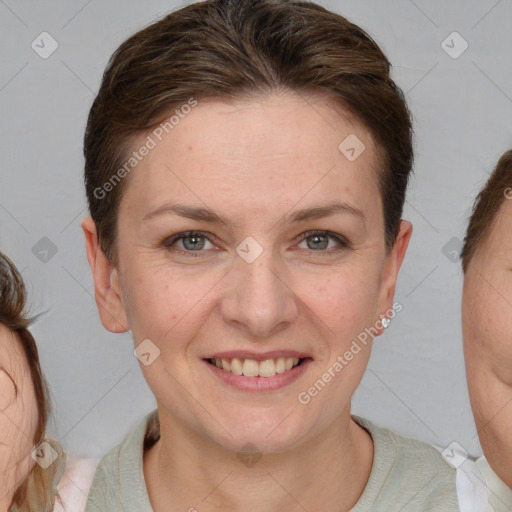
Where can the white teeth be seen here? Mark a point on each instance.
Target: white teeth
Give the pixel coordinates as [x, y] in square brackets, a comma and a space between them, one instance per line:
[250, 368]
[267, 368]
[236, 366]
[253, 368]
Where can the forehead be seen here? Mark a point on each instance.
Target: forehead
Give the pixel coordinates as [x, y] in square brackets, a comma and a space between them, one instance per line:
[260, 152]
[267, 125]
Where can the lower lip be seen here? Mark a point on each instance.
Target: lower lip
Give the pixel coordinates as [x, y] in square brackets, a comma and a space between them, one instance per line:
[278, 381]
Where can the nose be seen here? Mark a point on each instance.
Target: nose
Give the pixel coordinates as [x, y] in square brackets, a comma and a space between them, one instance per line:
[258, 298]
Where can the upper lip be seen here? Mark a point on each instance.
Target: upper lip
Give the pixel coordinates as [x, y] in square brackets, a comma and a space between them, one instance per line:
[246, 354]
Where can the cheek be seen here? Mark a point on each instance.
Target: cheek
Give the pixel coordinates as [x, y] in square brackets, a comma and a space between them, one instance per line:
[347, 297]
[18, 426]
[492, 408]
[489, 327]
[167, 306]
[28, 414]
[150, 299]
[157, 299]
[7, 391]
[343, 308]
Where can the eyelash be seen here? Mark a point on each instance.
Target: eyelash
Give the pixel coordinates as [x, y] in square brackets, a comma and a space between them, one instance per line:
[343, 242]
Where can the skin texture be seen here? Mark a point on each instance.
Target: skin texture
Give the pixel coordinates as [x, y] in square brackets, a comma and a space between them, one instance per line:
[18, 416]
[255, 163]
[487, 330]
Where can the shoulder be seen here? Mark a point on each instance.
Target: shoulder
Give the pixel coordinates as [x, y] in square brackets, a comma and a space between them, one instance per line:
[409, 452]
[471, 488]
[410, 471]
[119, 476]
[128, 453]
[74, 485]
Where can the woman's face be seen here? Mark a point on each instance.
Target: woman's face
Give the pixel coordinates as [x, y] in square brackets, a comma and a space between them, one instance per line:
[487, 330]
[254, 286]
[18, 414]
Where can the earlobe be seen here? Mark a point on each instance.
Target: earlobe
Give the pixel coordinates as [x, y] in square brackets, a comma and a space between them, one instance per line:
[107, 291]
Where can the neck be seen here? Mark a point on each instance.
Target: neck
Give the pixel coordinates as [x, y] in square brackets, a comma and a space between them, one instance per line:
[328, 471]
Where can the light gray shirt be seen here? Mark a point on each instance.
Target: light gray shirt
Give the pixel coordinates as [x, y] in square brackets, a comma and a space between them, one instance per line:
[407, 476]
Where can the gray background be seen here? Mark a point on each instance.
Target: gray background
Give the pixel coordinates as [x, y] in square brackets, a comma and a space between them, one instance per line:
[462, 106]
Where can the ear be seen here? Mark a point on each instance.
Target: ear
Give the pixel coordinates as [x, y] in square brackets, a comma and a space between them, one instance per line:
[106, 282]
[392, 265]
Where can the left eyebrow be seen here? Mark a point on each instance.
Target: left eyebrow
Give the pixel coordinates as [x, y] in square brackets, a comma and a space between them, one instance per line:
[318, 212]
[207, 215]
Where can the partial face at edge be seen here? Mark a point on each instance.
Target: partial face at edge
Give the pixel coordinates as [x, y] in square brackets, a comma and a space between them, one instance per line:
[18, 414]
[487, 330]
[255, 164]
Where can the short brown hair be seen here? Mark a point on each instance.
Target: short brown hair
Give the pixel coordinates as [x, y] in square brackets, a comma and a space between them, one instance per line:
[238, 49]
[487, 204]
[36, 489]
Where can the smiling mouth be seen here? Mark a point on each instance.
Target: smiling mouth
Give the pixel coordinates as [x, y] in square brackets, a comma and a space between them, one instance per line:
[252, 368]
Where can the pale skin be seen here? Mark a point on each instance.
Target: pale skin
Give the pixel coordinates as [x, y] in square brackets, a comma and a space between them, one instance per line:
[18, 416]
[255, 163]
[487, 329]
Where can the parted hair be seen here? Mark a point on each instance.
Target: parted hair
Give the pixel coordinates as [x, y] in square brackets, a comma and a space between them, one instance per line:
[36, 491]
[242, 49]
[496, 190]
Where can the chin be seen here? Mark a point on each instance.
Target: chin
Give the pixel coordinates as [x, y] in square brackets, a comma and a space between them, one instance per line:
[275, 433]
